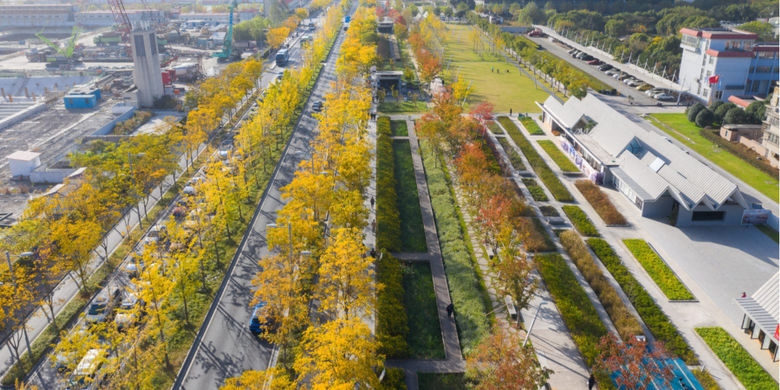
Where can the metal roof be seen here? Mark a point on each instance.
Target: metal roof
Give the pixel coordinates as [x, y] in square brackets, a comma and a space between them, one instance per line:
[763, 307]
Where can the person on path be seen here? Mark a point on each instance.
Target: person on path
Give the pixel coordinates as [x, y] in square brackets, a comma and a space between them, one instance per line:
[744, 295]
[373, 253]
[491, 69]
[372, 201]
[373, 226]
[450, 309]
[510, 112]
[591, 382]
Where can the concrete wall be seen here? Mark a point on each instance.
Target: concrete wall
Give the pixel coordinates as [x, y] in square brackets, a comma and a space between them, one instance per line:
[760, 149]
[20, 116]
[50, 176]
[733, 216]
[660, 208]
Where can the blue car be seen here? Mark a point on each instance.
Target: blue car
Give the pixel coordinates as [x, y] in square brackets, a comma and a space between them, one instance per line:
[255, 325]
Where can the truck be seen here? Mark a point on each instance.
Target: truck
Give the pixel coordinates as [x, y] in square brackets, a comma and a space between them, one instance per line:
[282, 56]
[108, 38]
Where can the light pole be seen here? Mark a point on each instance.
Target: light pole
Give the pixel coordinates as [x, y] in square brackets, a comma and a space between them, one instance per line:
[138, 206]
[16, 290]
[528, 336]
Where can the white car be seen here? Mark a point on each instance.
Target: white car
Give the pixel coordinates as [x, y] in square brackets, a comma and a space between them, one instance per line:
[103, 305]
[127, 315]
[664, 97]
[157, 233]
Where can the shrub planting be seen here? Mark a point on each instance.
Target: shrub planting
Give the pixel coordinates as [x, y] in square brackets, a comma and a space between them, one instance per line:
[575, 307]
[494, 128]
[580, 221]
[563, 162]
[412, 229]
[546, 175]
[549, 211]
[738, 361]
[625, 322]
[536, 237]
[514, 157]
[600, 202]
[662, 275]
[388, 219]
[531, 125]
[398, 128]
[651, 313]
[536, 192]
[391, 325]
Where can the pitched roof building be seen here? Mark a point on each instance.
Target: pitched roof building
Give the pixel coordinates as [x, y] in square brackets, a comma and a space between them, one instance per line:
[762, 315]
[661, 179]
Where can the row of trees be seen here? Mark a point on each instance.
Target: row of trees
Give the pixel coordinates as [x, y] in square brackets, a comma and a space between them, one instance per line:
[428, 39]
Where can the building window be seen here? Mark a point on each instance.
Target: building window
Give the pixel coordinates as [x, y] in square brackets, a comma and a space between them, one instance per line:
[709, 73]
[756, 83]
[712, 59]
[765, 55]
[733, 45]
[706, 93]
[752, 69]
[763, 69]
[718, 95]
[690, 41]
[708, 216]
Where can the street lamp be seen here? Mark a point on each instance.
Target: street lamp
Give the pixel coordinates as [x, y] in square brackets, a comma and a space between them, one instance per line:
[8, 256]
[138, 206]
[528, 336]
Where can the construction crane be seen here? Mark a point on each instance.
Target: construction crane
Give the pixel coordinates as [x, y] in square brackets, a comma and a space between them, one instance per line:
[68, 51]
[123, 22]
[227, 45]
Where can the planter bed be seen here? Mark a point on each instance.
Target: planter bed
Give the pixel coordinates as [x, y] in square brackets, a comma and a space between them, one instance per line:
[408, 200]
[531, 125]
[738, 361]
[581, 221]
[514, 157]
[661, 274]
[388, 219]
[563, 162]
[424, 337]
[536, 192]
[600, 202]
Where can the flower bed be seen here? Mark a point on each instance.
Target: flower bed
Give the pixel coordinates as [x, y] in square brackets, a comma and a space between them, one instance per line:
[651, 313]
[662, 275]
[738, 361]
[514, 158]
[546, 175]
[625, 322]
[462, 279]
[563, 162]
[577, 311]
[531, 125]
[581, 221]
[600, 202]
[388, 219]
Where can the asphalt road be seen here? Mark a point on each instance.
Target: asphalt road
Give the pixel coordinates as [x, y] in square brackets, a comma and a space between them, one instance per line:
[227, 347]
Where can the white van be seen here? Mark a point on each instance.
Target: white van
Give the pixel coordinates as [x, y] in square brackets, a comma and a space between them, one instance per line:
[87, 374]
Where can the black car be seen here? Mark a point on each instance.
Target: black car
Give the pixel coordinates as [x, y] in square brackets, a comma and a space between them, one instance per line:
[587, 57]
[604, 67]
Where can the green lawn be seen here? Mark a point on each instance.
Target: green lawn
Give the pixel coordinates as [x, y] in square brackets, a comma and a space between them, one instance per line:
[412, 229]
[732, 164]
[389, 106]
[398, 128]
[505, 90]
[769, 232]
[424, 337]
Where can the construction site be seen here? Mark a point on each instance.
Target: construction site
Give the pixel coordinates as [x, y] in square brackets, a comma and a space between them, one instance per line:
[68, 77]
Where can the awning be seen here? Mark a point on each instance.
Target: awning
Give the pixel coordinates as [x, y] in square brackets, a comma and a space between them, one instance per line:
[758, 314]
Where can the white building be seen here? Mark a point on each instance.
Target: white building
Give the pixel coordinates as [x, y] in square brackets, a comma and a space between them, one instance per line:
[659, 178]
[743, 65]
[771, 129]
[762, 315]
[37, 15]
[106, 18]
[23, 162]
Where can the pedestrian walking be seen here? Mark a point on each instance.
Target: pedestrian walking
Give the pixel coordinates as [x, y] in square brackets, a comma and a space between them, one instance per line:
[510, 112]
[744, 295]
[491, 69]
[373, 253]
[450, 309]
[372, 201]
[373, 226]
[591, 382]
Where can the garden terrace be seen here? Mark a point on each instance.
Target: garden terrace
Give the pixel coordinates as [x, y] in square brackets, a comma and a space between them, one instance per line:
[600, 202]
[661, 274]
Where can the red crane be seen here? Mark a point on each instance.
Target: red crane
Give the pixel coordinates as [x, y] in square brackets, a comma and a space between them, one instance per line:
[123, 22]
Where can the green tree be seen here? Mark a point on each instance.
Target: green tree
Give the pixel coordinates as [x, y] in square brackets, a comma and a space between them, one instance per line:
[736, 116]
[616, 28]
[764, 30]
[693, 111]
[704, 118]
[756, 111]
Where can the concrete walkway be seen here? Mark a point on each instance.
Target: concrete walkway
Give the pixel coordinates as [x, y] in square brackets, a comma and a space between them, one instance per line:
[454, 362]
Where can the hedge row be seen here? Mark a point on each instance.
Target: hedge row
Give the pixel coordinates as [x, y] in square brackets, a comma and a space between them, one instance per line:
[544, 172]
[651, 313]
[563, 162]
[463, 281]
[662, 275]
[514, 157]
[531, 125]
[536, 192]
[600, 202]
[581, 221]
[738, 361]
[577, 310]
[625, 322]
[391, 325]
[743, 152]
[388, 219]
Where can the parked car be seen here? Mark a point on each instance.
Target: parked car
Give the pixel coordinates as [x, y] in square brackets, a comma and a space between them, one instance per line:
[571, 51]
[87, 374]
[127, 314]
[587, 57]
[134, 266]
[612, 72]
[644, 87]
[664, 97]
[636, 83]
[255, 325]
[103, 305]
[580, 55]
[595, 62]
[604, 68]
[317, 106]
[576, 53]
[157, 234]
[627, 79]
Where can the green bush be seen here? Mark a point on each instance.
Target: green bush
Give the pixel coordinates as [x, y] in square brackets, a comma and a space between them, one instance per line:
[549, 211]
[705, 118]
[531, 125]
[395, 379]
[391, 325]
[645, 305]
[704, 377]
[581, 221]
[663, 276]
[694, 111]
[462, 279]
[738, 361]
[546, 175]
[514, 157]
[740, 150]
[600, 202]
[494, 128]
[736, 116]
[575, 307]
[721, 111]
[388, 219]
[625, 322]
[538, 194]
[563, 162]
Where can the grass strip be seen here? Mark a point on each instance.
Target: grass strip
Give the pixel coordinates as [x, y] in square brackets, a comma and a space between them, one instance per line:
[563, 162]
[769, 232]
[494, 128]
[600, 202]
[408, 200]
[662, 275]
[575, 307]
[388, 219]
[398, 128]
[580, 221]
[463, 281]
[424, 337]
[530, 125]
[514, 157]
[625, 322]
[546, 175]
[738, 361]
[392, 326]
[655, 319]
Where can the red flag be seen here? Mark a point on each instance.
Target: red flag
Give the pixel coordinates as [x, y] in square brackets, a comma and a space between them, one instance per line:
[714, 79]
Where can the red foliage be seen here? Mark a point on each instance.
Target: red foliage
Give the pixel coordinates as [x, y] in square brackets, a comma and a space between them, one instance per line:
[483, 112]
[635, 363]
[472, 164]
[400, 19]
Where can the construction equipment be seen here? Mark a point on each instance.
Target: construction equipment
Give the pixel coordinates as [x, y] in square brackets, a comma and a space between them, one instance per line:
[68, 51]
[123, 23]
[227, 45]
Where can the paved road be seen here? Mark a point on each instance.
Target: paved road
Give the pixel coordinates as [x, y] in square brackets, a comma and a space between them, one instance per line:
[227, 348]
